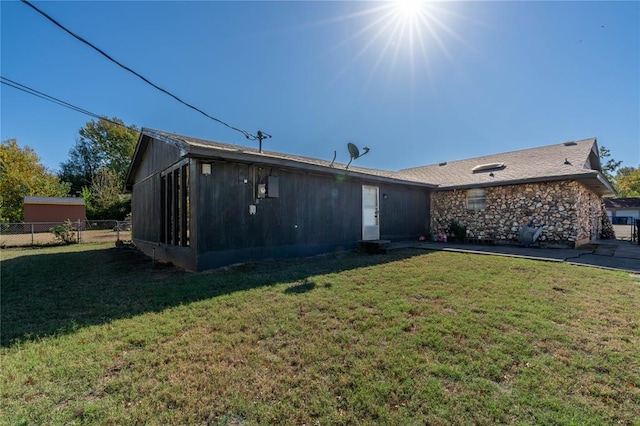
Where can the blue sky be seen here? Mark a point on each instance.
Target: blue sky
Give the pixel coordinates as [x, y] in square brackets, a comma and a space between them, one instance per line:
[457, 80]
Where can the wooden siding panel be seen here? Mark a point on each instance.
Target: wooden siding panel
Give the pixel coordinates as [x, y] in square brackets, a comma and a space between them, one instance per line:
[146, 210]
[145, 215]
[157, 157]
[53, 213]
[310, 210]
[175, 207]
[184, 205]
[404, 212]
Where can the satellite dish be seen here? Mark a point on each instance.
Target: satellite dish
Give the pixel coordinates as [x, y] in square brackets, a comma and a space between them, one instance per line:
[354, 152]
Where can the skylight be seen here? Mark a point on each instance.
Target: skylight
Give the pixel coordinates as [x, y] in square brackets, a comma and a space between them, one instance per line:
[488, 166]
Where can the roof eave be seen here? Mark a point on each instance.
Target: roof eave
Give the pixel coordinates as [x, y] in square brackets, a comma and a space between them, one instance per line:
[591, 179]
[207, 153]
[141, 147]
[625, 203]
[611, 190]
[212, 153]
[69, 201]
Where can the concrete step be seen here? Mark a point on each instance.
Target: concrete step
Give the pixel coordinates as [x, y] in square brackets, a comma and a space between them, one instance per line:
[374, 246]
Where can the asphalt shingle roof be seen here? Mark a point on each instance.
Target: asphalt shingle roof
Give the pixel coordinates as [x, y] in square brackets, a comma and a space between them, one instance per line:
[576, 160]
[54, 200]
[622, 203]
[210, 148]
[569, 159]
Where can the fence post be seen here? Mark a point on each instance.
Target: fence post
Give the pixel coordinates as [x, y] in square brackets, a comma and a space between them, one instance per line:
[117, 231]
[32, 234]
[79, 231]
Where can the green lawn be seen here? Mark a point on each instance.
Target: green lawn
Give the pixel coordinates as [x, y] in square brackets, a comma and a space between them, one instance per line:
[95, 335]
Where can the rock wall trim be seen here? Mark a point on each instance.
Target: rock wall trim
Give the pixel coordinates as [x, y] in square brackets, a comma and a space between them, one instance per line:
[570, 212]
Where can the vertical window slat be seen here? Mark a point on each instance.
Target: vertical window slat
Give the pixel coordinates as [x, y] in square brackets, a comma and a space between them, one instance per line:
[184, 196]
[169, 207]
[174, 211]
[176, 208]
[163, 209]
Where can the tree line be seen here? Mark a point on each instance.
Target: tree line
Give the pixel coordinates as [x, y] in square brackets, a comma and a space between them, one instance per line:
[98, 162]
[625, 180]
[95, 170]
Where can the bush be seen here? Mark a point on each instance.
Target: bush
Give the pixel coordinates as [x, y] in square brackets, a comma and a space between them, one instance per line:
[116, 211]
[458, 231]
[607, 232]
[64, 233]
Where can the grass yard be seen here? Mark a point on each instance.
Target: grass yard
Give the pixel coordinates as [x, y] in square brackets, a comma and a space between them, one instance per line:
[94, 335]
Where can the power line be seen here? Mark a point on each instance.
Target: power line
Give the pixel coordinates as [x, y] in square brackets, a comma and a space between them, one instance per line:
[79, 38]
[34, 92]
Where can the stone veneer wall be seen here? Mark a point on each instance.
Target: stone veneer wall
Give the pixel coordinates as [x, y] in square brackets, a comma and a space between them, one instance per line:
[570, 212]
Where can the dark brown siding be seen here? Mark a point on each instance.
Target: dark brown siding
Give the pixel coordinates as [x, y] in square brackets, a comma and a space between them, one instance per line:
[313, 213]
[158, 156]
[404, 212]
[54, 213]
[145, 210]
[145, 205]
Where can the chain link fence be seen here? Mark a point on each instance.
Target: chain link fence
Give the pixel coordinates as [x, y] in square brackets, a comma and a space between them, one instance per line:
[91, 231]
[625, 228]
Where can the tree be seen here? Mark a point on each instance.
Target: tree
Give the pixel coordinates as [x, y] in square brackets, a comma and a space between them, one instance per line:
[609, 167]
[106, 143]
[105, 200]
[628, 182]
[98, 164]
[625, 180]
[23, 175]
[82, 166]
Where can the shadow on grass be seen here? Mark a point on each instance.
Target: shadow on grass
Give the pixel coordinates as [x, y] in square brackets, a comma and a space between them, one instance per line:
[300, 288]
[44, 294]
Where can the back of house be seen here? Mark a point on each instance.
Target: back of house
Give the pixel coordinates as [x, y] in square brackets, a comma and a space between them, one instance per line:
[557, 187]
[202, 204]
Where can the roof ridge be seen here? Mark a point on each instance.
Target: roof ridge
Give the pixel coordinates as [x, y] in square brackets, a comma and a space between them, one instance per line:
[580, 141]
[278, 154]
[197, 143]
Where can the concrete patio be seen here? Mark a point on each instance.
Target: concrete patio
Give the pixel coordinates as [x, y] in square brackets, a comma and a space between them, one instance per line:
[611, 254]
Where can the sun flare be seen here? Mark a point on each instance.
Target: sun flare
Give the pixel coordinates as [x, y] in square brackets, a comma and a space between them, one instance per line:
[408, 9]
[398, 35]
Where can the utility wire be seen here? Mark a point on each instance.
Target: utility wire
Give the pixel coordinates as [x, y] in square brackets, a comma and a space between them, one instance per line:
[55, 100]
[79, 38]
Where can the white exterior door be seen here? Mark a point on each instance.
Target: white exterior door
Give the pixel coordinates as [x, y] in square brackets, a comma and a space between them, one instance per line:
[370, 213]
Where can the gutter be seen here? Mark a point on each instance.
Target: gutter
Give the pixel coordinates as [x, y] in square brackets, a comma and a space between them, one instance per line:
[575, 176]
[606, 183]
[250, 157]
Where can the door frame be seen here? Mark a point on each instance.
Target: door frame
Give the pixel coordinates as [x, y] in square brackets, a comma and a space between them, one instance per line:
[370, 231]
